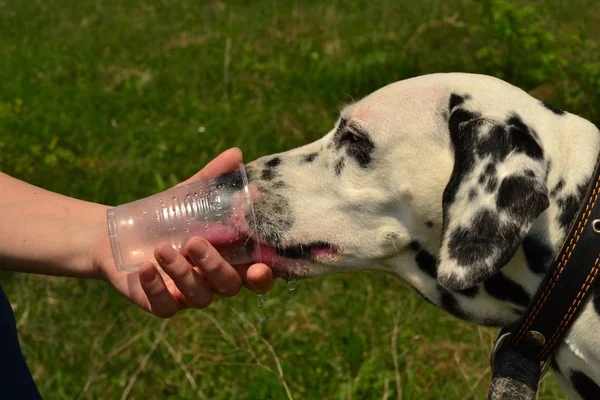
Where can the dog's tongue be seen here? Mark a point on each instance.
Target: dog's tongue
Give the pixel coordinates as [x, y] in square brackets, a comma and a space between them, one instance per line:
[219, 235]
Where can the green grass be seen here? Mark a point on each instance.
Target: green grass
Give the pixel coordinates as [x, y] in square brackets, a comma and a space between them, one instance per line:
[113, 100]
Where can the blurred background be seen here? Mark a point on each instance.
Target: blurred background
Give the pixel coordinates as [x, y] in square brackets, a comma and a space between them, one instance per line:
[110, 101]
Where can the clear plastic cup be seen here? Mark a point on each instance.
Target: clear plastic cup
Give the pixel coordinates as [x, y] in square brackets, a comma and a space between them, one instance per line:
[219, 209]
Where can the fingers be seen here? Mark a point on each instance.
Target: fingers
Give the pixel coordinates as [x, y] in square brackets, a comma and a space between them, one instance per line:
[257, 277]
[192, 286]
[221, 276]
[162, 303]
[223, 163]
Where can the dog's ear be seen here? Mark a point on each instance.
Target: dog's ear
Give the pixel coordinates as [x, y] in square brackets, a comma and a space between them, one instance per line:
[496, 191]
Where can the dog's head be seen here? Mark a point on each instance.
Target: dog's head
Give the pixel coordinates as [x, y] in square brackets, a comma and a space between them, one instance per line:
[416, 164]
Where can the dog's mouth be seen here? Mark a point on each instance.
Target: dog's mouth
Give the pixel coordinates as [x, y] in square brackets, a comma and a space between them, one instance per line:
[295, 260]
[285, 261]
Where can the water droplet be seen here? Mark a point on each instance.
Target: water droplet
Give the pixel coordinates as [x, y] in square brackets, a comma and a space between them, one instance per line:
[262, 298]
[291, 284]
[196, 194]
[186, 230]
[174, 198]
[262, 319]
[187, 196]
[173, 228]
[144, 212]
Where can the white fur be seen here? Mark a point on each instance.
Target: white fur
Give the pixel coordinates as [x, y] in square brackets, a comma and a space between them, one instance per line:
[372, 214]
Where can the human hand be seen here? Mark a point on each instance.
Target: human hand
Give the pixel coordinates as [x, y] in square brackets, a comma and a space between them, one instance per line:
[186, 285]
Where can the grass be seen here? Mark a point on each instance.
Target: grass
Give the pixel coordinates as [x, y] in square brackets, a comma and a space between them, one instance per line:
[110, 101]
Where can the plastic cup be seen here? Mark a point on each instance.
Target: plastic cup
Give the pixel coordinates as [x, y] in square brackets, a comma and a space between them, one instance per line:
[219, 209]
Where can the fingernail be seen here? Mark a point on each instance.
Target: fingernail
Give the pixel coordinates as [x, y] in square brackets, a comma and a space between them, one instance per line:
[198, 250]
[167, 254]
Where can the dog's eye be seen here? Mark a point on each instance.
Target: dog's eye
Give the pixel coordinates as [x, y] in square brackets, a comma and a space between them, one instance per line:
[351, 137]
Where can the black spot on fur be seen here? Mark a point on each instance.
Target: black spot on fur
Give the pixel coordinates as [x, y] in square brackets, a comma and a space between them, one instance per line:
[473, 245]
[496, 144]
[555, 110]
[463, 160]
[457, 117]
[456, 100]
[310, 157]
[339, 166]
[584, 385]
[231, 181]
[273, 218]
[472, 194]
[488, 177]
[523, 138]
[426, 263]
[267, 174]
[569, 205]
[538, 255]
[503, 288]
[429, 224]
[491, 184]
[529, 173]
[488, 242]
[273, 162]
[557, 188]
[470, 292]
[499, 140]
[449, 303]
[490, 170]
[358, 145]
[596, 300]
[279, 185]
[522, 197]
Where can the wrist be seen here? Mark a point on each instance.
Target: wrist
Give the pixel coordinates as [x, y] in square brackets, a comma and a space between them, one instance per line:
[87, 231]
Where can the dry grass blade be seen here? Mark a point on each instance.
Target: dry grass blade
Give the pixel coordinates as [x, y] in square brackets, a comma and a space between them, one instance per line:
[395, 357]
[227, 67]
[464, 375]
[280, 374]
[177, 357]
[451, 20]
[478, 380]
[386, 389]
[144, 360]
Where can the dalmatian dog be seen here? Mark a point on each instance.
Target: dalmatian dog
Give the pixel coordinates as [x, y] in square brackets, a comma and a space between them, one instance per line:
[461, 185]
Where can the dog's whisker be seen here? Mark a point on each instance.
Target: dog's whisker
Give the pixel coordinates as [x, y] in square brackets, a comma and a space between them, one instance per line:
[395, 248]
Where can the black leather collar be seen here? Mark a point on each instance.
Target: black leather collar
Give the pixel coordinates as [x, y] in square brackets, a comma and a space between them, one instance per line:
[521, 349]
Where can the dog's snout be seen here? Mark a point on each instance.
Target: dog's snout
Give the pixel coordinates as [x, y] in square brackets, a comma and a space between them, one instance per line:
[272, 208]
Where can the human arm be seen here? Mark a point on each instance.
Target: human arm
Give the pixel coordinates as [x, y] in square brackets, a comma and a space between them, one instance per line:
[48, 233]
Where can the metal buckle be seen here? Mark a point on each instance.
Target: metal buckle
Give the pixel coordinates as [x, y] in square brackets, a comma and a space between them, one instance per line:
[498, 343]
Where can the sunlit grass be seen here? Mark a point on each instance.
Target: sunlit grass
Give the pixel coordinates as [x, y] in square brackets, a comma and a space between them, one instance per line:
[113, 100]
